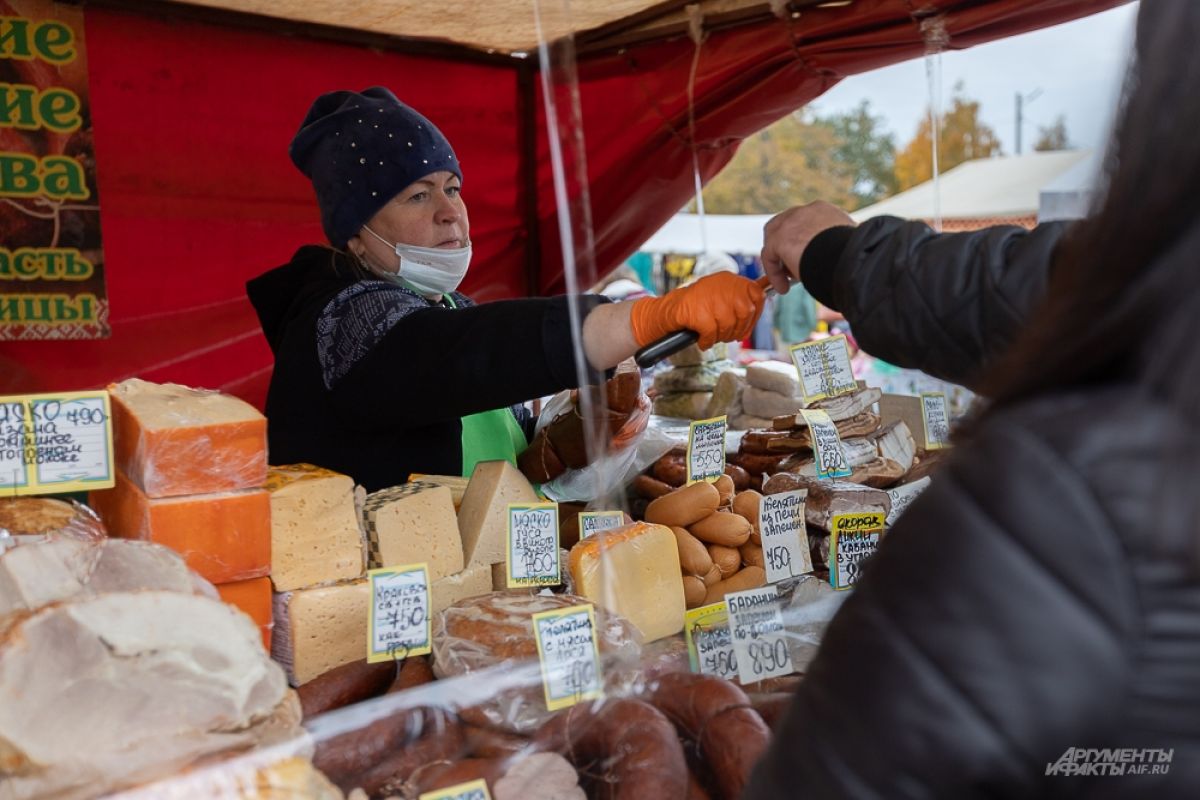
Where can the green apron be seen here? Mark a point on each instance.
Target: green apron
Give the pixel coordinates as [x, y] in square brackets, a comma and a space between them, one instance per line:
[489, 435]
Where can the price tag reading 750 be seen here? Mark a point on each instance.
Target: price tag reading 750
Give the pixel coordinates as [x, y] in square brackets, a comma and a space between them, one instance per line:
[399, 613]
[533, 545]
[706, 450]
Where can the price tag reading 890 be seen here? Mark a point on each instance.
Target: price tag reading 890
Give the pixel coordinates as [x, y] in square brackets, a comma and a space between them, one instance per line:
[759, 637]
[706, 449]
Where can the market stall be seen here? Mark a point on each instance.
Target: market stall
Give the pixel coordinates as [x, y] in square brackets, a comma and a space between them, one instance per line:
[622, 612]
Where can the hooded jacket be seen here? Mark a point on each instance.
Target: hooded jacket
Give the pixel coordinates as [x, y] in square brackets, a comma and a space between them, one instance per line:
[1027, 622]
[372, 380]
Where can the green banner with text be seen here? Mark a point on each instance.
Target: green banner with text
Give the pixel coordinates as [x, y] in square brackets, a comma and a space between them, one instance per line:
[51, 262]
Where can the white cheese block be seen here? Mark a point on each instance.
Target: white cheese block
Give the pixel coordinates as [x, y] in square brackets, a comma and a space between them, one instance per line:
[315, 536]
[320, 628]
[769, 404]
[483, 516]
[413, 523]
[471, 582]
[633, 572]
[774, 376]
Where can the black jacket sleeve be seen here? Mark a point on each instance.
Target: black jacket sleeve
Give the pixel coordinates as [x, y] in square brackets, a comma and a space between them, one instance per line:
[440, 364]
[941, 303]
[990, 633]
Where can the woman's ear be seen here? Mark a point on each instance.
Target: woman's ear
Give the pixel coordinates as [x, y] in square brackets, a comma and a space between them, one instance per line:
[355, 245]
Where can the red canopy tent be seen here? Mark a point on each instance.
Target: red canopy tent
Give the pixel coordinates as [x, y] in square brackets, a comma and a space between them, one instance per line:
[193, 110]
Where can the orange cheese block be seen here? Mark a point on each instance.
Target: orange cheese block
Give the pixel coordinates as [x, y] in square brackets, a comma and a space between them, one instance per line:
[224, 536]
[253, 597]
[172, 440]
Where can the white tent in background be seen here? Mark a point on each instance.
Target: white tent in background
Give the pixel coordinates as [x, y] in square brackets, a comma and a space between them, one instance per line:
[736, 234]
[1070, 195]
[984, 191]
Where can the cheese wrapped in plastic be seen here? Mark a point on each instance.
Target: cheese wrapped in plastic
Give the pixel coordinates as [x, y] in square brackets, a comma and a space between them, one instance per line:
[173, 440]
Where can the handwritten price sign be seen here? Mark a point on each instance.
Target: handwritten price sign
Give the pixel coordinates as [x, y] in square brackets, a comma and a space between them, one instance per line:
[570, 657]
[533, 545]
[936, 419]
[473, 790]
[824, 368]
[759, 638]
[710, 645]
[853, 539]
[827, 446]
[55, 443]
[706, 449]
[399, 613]
[784, 535]
[591, 522]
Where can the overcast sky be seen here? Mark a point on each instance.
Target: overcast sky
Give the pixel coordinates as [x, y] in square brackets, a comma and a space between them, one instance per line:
[1078, 66]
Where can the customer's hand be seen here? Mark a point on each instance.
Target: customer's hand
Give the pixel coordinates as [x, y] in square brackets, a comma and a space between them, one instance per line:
[721, 308]
[787, 234]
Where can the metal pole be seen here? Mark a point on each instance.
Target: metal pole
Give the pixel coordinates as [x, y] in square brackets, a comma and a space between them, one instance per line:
[1019, 103]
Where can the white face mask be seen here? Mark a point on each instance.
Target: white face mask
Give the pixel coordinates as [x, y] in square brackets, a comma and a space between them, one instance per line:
[428, 270]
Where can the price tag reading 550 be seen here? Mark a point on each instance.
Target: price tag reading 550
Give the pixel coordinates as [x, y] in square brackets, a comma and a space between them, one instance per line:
[533, 545]
[706, 450]
[566, 642]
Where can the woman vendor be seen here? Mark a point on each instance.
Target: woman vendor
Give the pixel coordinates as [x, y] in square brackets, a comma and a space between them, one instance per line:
[382, 368]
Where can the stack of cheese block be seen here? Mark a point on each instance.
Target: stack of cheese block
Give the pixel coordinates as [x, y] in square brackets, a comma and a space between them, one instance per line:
[686, 390]
[190, 469]
[772, 390]
[321, 597]
[483, 517]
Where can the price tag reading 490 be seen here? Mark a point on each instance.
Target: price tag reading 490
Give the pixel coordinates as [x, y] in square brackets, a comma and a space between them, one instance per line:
[399, 613]
[566, 642]
[759, 638]
[710, 647]
[706, 450]
[854, 538]
[474, 790]
[826, 444]
[533, 545]
[55, 443]
[784, 535]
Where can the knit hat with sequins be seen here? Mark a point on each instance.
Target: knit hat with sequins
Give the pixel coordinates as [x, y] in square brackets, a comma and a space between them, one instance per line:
[361, 149]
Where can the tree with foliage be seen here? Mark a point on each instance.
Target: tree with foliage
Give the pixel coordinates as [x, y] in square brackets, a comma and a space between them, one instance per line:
[868, 150]
[845, 159]
[1053, 137]
[962, 137]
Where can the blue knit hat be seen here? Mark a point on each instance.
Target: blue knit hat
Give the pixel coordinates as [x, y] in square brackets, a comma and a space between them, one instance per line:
[361, 149]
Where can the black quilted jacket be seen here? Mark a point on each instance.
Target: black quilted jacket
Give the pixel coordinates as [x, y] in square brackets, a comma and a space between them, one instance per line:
[1028, 604]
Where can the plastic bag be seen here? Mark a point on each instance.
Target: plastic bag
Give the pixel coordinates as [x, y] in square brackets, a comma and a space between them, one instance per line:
[614, 470]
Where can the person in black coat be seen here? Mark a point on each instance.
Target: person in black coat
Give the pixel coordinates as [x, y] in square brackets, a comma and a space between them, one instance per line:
[382, 368]
[1030, 627]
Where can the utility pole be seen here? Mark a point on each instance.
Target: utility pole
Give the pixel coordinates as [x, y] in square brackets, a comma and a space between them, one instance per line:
[1021, 101]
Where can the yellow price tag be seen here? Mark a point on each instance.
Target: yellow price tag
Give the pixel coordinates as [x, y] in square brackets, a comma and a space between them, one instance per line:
[60, 442]
[569, 654]
[400, 613]
[472, 790]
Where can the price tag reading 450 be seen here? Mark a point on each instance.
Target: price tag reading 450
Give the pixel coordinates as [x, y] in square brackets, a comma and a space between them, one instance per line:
[824, 368]
[533, 545]
[784, 535]
[474, 790]
[854, 538]
[706, 450]
[566, 642]
[759, 638]
[826, 444]
[710, 647]
[399, 613]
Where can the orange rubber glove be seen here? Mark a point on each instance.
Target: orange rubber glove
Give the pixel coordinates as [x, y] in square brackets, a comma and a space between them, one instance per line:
[721, 308]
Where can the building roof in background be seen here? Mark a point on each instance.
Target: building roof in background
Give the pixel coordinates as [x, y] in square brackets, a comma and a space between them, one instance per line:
[986, 188]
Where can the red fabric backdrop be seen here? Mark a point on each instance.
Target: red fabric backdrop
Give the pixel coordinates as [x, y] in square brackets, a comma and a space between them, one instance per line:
[192, 123]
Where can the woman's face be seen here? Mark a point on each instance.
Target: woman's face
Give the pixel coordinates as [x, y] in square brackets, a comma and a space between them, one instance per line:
[428, 213]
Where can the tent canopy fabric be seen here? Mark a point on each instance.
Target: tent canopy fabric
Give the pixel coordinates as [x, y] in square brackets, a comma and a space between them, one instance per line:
[1070, 195]
[739, 234]
[984, 188]
[192, 118]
